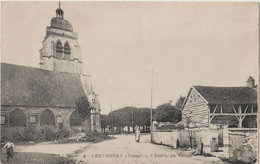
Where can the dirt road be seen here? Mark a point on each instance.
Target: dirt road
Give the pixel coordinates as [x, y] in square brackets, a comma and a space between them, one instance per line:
[124, 150]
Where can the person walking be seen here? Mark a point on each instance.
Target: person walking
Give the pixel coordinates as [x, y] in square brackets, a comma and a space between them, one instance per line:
[137, 135]
[9, 150]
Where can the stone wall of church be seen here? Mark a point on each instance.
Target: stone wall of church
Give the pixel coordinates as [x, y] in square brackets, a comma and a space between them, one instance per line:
[98, 123]
[33, 115]
[52, 60]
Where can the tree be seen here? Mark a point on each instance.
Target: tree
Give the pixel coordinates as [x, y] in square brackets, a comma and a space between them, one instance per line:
[179, 102]
[104, 122]
[123, 117]
[167, 113]
[83, 107]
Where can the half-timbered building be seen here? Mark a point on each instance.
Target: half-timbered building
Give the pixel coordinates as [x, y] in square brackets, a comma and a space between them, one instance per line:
[208, 107]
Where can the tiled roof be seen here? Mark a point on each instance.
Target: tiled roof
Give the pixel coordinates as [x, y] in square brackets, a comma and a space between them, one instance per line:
[228, 95]
[28, 86]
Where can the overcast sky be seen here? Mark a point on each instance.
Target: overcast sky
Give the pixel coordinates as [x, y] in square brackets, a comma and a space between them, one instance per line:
[212, 44]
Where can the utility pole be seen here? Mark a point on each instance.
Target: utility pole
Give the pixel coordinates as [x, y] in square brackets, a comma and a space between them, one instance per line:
[112, 128]
[151, 117]
[133, 119]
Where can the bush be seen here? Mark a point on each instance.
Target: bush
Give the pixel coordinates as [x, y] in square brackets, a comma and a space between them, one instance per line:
[50, 133]
[17, 133]
[45, 133]
[61, 134]
[31, 133]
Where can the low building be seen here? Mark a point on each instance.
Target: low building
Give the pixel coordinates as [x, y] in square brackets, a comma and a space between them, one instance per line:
[220, 109]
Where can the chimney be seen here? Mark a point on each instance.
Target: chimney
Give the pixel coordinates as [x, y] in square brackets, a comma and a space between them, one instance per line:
[250, 82]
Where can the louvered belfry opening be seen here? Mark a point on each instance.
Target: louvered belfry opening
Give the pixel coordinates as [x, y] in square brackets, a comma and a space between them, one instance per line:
[67, 51]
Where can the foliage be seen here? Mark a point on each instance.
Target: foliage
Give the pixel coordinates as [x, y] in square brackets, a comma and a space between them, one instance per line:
[141, 116]
[103, 120]
[167, 113]
[179, 102]
[12, 133]
[31, 133]
[123, 117]
[45, 133]
[83, 107]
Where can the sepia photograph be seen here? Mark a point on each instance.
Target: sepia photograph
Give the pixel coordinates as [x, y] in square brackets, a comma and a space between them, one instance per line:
[124, 82]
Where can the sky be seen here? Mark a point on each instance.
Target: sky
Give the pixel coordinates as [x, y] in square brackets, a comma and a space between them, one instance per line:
[210, 44]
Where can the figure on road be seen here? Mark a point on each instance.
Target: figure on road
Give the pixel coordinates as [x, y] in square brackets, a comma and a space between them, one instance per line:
[9, 150]
[137, 135]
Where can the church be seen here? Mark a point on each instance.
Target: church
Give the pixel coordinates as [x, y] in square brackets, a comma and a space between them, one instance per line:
[47, 95]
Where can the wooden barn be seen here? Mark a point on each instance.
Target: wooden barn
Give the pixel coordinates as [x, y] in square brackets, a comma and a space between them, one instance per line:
[221, 108]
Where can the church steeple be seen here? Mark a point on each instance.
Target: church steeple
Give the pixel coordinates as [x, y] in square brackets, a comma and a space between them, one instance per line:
[59, 12]
[60, 50]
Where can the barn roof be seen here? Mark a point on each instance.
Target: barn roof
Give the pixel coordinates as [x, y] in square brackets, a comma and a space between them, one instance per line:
[227, 95]
[28, 86]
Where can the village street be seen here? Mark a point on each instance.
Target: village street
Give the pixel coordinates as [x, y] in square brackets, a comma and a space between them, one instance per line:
[123, 149]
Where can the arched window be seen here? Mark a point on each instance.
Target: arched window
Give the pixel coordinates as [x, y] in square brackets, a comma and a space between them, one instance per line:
[17, 118]
[75, 119]
[47, 117]
[67, 48]
[59, 47]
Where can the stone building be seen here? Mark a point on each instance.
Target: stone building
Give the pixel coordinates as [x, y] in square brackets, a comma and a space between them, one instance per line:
[47, 95]
[60, 50]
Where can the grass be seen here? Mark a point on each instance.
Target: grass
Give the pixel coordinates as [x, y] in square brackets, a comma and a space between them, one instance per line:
[35, 158]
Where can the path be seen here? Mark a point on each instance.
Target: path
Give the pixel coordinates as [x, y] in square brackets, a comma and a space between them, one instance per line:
[123, 150]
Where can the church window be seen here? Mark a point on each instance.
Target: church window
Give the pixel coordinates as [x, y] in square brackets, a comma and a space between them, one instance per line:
[2, 119]
[33, 119]
[59, 119]
[17, 118]
[67, 48]
[59, 47]
[67, 51]
[47, 117]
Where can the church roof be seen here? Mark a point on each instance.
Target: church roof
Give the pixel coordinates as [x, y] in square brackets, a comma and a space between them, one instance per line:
[61, 23]
[228, 95]
[28, 86]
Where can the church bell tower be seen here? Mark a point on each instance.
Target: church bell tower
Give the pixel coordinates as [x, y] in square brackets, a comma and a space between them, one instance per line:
[60, 50]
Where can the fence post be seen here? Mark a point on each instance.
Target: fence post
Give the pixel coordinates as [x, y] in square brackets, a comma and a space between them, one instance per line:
[229, 145]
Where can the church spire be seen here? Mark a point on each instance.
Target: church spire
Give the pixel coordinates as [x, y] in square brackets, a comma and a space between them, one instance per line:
[59, 12]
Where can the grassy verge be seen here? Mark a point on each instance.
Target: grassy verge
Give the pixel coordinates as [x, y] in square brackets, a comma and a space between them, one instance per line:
[36, 158]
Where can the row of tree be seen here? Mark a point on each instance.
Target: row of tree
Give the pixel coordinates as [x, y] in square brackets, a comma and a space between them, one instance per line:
[132, 116]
